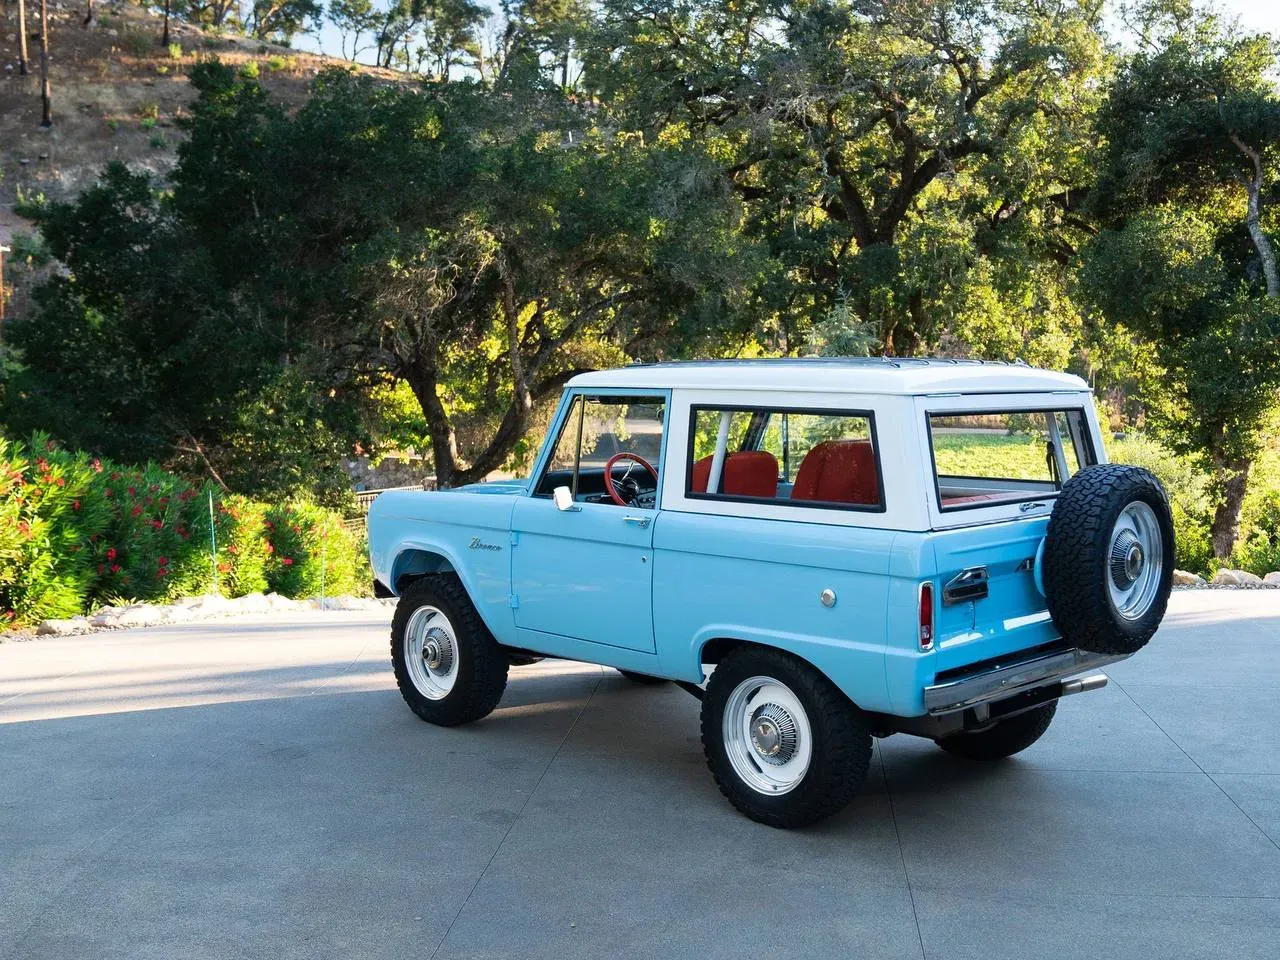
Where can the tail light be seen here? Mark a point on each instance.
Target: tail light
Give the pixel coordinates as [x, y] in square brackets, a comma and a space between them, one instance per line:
[926, 615]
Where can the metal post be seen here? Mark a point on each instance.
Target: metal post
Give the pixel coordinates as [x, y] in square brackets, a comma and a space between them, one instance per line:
[213, 545]
[3, 251]
[324, 557]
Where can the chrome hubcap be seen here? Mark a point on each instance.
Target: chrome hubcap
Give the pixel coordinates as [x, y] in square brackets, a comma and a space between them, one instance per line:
[767, 736]
[1136, 563]
[431, 652]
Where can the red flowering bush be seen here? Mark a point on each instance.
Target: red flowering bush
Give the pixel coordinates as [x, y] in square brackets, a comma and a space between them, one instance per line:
[47, 519]
[77, 532]
[311, 553]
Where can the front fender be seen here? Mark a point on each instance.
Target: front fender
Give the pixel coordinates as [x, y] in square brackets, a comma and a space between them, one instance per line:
[468, 534]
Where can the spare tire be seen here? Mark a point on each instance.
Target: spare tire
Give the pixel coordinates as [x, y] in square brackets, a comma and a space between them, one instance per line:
[1108, 558]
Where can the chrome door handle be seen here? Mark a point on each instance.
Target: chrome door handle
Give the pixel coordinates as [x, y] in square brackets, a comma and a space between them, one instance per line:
[641, 522]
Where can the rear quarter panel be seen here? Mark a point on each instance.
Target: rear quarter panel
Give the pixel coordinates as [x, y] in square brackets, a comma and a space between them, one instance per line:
[761, 581]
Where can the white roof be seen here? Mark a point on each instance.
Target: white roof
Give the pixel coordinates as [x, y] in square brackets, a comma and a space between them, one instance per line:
[910, 376]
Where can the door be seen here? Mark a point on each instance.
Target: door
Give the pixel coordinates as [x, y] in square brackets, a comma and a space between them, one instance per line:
[587, 572]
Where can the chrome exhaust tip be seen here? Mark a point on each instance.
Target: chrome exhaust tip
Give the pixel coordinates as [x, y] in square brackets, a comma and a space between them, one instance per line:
[1095, 681]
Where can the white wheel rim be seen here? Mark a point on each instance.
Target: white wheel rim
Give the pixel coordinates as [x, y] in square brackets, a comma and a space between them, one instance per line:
[431, 652]
[1135, 564]
[767, 736]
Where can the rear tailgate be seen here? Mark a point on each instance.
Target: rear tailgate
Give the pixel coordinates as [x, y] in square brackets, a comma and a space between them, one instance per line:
[1010, 614]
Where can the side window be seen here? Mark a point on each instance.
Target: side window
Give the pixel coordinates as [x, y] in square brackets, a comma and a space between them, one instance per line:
[597, 429]
[814, 458]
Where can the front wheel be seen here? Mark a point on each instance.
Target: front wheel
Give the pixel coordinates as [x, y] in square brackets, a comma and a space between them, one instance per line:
[1007, 737]
[448, 666]
[785, 746]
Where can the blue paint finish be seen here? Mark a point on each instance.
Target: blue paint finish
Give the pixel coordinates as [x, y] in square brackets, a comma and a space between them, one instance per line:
[1013, 616]
[587, 584]
[405, 524]
[585, 574]
[761, 581]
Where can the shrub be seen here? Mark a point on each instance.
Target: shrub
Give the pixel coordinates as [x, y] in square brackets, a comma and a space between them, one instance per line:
[276, 63]
[48, 520]
[76, 532]
[139, 43]
[175, 51]
[250, 70]
[312, 553]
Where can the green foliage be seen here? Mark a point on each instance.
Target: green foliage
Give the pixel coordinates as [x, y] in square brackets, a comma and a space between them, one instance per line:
[175, 51]
[77, 531]
[312, 553]
[138, 43]
[250, 70]
[47, 522]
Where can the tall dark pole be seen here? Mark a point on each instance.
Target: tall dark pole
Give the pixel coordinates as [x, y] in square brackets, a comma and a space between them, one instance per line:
[46, 94]
[23, 69]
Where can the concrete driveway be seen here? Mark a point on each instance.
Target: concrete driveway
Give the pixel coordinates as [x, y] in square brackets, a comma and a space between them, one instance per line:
[256, 788]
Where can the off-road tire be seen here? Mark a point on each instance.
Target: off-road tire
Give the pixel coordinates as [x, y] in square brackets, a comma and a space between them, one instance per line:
[642, 678]
[1076, 555]
[1009, 736]
[841, 735]
[482, 664]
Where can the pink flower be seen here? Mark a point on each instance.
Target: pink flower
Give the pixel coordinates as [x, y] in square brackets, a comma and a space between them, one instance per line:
[287, 561]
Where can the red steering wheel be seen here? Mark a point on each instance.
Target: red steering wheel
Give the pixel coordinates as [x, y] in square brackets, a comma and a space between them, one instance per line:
[609, 486]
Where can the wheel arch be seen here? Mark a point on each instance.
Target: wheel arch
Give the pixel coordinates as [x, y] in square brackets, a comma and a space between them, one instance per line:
[415, 562]
[856, 669]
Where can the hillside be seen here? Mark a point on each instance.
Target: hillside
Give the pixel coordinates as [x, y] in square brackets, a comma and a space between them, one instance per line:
[116, 95]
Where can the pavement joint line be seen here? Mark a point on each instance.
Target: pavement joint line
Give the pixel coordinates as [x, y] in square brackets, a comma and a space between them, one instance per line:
[902, 856]
[1208, 776]
[519, 813]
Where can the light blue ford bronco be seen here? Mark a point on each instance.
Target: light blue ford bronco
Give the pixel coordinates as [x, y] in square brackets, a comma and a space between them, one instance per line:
[821, 551]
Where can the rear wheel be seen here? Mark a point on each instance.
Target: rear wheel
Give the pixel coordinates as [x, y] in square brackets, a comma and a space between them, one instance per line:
[785, 746]
[1009, 736]
[448, 666]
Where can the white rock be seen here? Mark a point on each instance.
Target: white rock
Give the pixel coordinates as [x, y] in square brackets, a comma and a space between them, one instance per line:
[140, 615]
[62, 628]
[1272, 578]
[277, 602]
[1181, 578]
[1235, 578]
[252, 603]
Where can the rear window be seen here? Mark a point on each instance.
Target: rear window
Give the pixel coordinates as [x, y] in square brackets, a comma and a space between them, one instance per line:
[984, 459]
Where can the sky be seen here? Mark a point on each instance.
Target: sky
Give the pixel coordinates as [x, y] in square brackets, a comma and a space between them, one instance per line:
[1254, 15]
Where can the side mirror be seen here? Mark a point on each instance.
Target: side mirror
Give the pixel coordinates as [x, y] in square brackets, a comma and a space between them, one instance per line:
[563, 498]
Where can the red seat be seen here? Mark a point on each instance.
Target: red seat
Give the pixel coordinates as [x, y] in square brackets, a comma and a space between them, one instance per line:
[747, 473]
[839, 471]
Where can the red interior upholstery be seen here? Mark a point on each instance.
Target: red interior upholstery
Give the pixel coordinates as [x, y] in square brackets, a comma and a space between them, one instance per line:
[747, 473]
[839, 471]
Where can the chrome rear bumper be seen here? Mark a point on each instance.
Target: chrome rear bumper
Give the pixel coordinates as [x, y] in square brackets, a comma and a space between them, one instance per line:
[1013, 678]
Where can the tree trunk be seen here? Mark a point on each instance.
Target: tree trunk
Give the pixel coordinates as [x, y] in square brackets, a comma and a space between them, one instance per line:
[1253, 219]
[46, 94]
[164, 37]
[23, 60]
[422, 380]
[1234, 477]
[88, 13]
